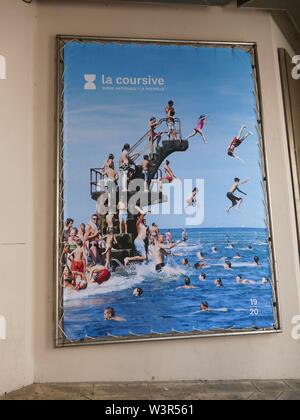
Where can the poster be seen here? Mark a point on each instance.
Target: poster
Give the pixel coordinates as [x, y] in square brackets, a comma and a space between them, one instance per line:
[163, 222]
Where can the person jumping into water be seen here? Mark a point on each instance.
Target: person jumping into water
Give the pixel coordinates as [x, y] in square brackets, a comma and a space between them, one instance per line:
[99, 274]
[199, 129]
[237, 141]
[236, 201]
[169, 174]
[161, 251]
[139, 243]
[192, 199]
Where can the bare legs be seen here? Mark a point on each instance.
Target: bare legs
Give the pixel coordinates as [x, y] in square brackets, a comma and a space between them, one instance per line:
[128, 260]
[237, 205]
[195, 132]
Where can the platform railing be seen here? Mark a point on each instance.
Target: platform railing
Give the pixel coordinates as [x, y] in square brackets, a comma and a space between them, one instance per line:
[139, 148]
[96, 180]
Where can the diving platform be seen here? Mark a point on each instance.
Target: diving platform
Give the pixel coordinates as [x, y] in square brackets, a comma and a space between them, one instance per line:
[158, 150]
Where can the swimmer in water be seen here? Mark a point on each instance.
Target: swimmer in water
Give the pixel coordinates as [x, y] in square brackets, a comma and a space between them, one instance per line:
[187, 284]
[185, 262]
[138, 292]
[161, 251]
[199, 266]
[228, 265]
[110, 315]
[201, 256]
[214, 250]
[218, 283]
[202, 277]
[256, 261]
[204, 307]
[82, 285]
[237, 256]
[240, 280]
[265, 281]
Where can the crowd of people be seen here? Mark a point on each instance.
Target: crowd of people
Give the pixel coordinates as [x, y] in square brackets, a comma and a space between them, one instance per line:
[87, 256]
[88, 252]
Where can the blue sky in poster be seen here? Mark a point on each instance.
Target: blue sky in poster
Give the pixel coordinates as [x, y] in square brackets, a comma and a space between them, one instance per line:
[215, 81]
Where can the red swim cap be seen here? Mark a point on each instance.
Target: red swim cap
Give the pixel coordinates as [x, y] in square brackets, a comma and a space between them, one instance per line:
[102, 276]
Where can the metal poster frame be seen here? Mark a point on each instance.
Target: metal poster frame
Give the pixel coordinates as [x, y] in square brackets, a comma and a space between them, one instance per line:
[61, 340]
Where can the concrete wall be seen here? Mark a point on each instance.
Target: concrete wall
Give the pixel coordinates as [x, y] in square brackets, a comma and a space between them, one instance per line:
[262, 356]
[215, 358]
[17, 36]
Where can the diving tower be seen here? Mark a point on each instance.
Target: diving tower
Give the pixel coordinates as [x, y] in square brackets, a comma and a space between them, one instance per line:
[163, 148]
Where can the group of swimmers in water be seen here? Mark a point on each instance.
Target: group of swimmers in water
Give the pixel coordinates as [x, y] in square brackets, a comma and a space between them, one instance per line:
[85, 247]
[218, 283]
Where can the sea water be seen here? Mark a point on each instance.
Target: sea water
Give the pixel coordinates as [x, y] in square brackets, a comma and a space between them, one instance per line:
[165, 308]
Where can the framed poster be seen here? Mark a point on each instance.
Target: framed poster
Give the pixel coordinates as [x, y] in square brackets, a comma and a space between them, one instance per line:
[163, 227]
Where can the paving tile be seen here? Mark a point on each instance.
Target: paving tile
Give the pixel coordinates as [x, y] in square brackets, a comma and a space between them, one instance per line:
[271, 386]
[240, 396]
[62, 396]
[79, 389]
[229, 386]
[32, 392]
[175, 391]
[294, 384]
[265, 396]
[290, 396]
[121, 391]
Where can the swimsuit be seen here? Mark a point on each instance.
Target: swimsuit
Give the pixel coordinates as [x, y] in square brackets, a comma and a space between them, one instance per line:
[169, 237]
[123, 216]
[168, 178]
[159, 267]
[140, 247]
[171, 125]
[200, 124]
[77, 266]
[147, 176]
[102, 276]
[233, 198]
[236, 142]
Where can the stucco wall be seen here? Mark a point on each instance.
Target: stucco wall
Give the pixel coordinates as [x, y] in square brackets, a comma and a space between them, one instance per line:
[222, 358]
[17, 36]
[262, 356]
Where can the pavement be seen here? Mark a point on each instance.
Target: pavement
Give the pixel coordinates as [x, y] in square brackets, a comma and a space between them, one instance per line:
[173, 391]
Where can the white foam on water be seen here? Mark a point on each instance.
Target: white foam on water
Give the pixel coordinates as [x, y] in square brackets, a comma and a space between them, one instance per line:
[189, 248]
[211, 310]
[239, 264]
[133, 276]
